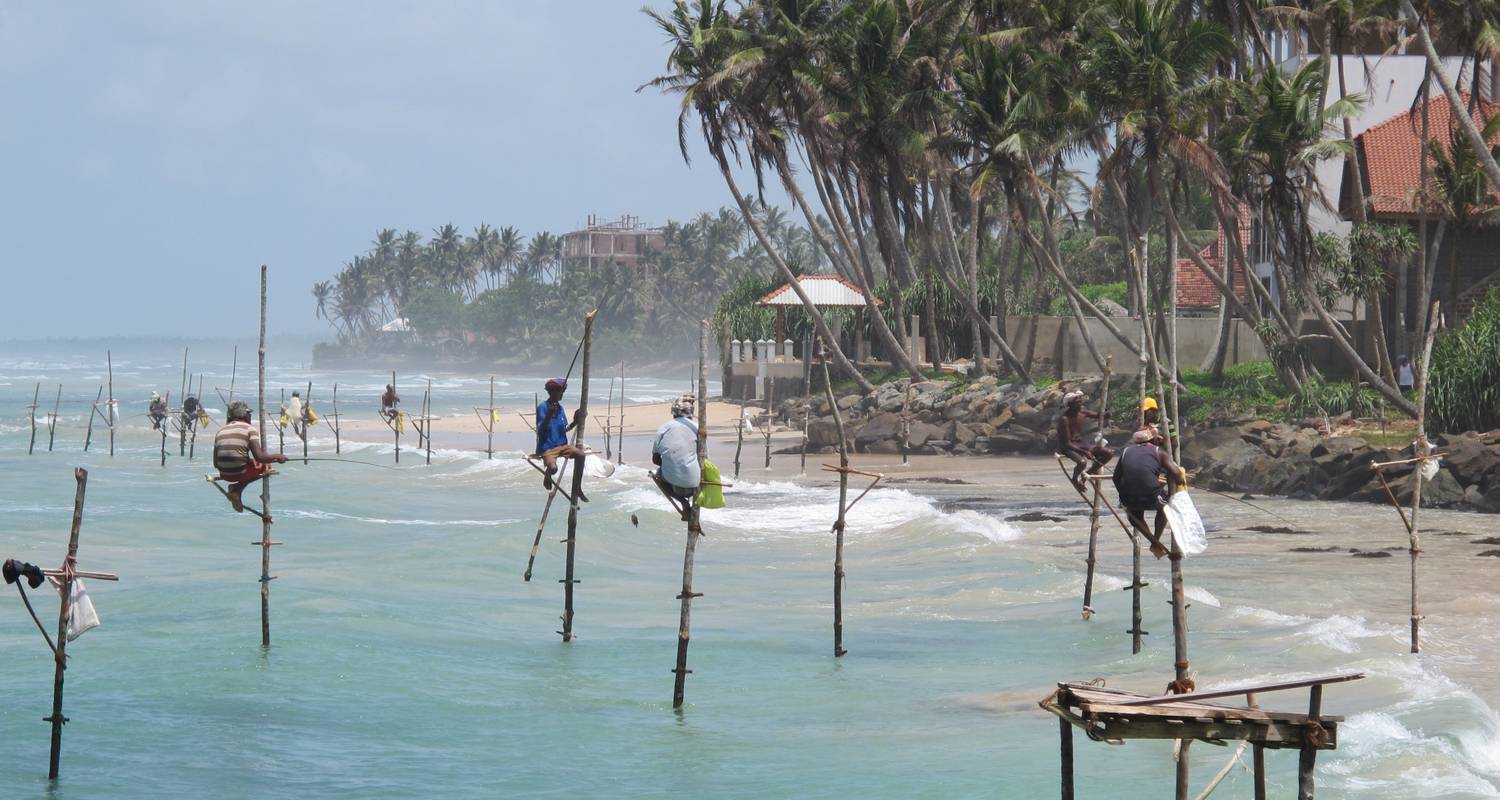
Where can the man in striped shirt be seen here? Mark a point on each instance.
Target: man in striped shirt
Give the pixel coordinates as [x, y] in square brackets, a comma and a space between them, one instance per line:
[237, 453]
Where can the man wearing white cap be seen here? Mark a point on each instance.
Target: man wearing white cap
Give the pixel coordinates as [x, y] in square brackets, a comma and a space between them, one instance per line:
[1070, 438]
[675, 453]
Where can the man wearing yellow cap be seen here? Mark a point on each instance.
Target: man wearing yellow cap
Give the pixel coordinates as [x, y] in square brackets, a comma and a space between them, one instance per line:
[1151, 416]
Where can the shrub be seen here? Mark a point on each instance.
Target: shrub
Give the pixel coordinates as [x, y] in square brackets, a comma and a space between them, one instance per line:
[1463, 390]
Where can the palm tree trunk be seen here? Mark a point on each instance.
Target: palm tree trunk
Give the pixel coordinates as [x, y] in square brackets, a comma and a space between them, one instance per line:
[813, 312]
[888, 340]
[971, 306]
[1465, 122]
[1429, 271]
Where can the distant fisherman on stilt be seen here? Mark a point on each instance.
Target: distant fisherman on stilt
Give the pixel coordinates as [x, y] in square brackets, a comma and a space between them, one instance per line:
[676, 454]
[552, 429]
[1070, 439]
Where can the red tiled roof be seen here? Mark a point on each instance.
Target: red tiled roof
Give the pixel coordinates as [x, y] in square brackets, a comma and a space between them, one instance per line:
[1195, 292]
[1391, 152]
[823, 290]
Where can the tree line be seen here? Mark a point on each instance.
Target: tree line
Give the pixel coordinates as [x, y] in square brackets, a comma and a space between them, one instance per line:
[929, 144]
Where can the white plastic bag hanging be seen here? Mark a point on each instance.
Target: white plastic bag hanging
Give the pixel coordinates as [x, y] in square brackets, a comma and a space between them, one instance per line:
[1187, 527]
[81, 614]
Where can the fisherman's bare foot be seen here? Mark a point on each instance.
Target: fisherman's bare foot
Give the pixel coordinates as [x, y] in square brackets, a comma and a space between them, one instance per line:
[547, 482]
[687, 515]
[1158, 551]
[236, 502]
[582, 498]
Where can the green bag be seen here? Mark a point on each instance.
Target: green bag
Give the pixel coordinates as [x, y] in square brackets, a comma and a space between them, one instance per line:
[710, 494]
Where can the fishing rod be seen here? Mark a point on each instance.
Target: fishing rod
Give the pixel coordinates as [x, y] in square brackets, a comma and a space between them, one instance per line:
[1243, 501]
[346, 461]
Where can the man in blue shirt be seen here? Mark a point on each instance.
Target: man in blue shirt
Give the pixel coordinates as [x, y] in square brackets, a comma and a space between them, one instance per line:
[676, 453]
[552, 429]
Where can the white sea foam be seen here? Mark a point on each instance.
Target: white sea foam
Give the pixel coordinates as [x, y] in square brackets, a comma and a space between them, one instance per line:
[436, 523]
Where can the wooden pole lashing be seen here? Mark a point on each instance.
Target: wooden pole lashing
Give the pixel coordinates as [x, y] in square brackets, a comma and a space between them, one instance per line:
[568, 580]
[265, 483]
[1088, 581]
[694, 532]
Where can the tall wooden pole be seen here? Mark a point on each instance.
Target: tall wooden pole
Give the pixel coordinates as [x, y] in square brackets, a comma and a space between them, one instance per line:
[609, 415]
[1308, 755]
[427, 420]
[65, 611]
[770, 414]
[694, 530]
[337, 445]
[1065, 750]
[36, 396]
[306, 404]
[1423, 451]
[572, 540]
[88, 435]
[489, 444]
[265, 483]
[109, 406]
[1088, 580]
[620, 434]
[182, 393]
[52, 419]
[1136, 584]
[396, 423]
[193, 442]
[164, 423]
[739, 438]
[838, 525]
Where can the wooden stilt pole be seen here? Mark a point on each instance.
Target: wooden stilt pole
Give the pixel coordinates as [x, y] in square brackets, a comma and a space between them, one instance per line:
[265, 483]
[572, 541]
[396, 423]
[1423, 451]
[1308, 755]
[183, 388]
[36, 396]
[694, 531]
[1065, 749]
[838, 524]
[906, 422]
[338, 447]
[1088, 580]
[164, 423]
[609, 415]
[770, 414]
[620, 434]
[739, 439]
[489, 443]
[1183, 682]
[301, 424]
[1136, 584]
[52, 419]
[88, 436]
[193, 442]
[1258, 768]
[806, 414]
[234, 368]
[281, 429]
[427, 420]
[109, 405]
[65, 612]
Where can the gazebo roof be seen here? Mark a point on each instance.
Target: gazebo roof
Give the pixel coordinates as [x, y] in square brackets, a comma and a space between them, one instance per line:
[823, 290]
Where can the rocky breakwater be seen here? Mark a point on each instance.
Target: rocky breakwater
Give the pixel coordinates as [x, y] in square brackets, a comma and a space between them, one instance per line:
[981, 417]
[1297, 461]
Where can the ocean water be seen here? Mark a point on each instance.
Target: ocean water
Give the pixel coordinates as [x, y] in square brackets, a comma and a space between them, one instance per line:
[409, 659]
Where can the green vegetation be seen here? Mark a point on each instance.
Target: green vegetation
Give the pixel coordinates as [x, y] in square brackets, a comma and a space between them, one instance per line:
[1463, 391]
[1114, 292]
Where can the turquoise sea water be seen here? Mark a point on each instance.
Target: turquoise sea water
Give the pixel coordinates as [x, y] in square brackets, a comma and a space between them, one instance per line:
[410, 660]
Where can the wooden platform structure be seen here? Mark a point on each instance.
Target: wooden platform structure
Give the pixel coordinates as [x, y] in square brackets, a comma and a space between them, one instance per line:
[1115, 715]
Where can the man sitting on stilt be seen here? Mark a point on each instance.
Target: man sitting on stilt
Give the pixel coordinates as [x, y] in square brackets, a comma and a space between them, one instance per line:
[552, 429]
[676, 453]
[238, 455]
[1144, 477]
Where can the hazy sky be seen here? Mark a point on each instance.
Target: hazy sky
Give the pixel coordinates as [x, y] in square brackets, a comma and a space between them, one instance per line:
[153, 154]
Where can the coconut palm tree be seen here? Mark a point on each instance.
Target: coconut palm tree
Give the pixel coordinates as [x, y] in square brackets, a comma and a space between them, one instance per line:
[702, 41]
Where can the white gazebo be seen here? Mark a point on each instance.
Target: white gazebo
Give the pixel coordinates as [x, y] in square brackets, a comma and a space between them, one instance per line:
[825, 291]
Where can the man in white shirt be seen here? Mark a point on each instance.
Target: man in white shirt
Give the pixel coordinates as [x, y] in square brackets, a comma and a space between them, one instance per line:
[1404, 379]
[675, 452]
